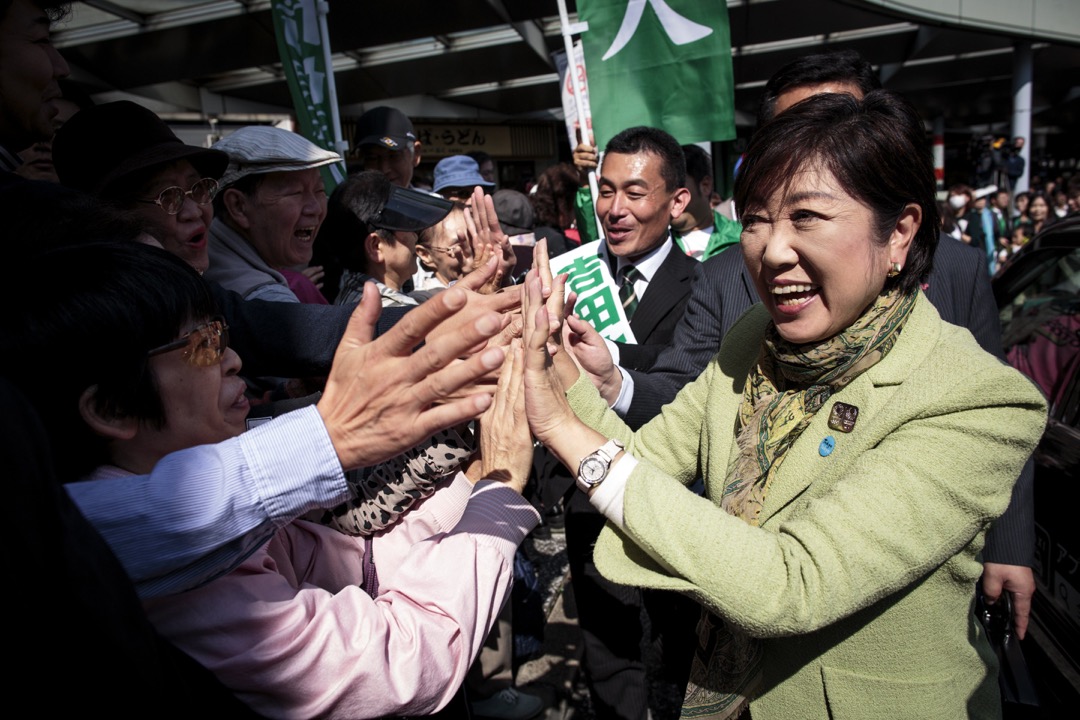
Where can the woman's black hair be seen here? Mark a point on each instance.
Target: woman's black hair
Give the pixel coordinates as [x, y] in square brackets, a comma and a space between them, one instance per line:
[876, 149]
[108, 305]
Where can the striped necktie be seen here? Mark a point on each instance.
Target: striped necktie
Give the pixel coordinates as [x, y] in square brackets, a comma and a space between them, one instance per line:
[628, 275]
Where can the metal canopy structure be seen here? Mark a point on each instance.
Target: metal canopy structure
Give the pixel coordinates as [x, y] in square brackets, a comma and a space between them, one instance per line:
[491, 59]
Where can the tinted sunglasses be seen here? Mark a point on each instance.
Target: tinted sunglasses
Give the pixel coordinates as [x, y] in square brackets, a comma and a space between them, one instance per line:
[202, 347]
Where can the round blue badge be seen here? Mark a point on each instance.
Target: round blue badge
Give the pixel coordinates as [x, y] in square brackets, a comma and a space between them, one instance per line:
[826, 447]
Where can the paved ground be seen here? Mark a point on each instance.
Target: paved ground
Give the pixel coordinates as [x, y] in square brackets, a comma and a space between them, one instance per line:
[556, 675]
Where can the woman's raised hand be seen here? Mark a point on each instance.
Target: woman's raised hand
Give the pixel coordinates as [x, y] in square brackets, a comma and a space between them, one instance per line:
[545, 396]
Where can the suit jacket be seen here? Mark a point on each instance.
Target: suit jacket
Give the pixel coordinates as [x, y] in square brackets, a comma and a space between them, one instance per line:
[858, 577]
[289, 339]
[958, 286]
[659, 310]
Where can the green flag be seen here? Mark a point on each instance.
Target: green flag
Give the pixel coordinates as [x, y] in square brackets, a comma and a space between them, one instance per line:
[299, 40]
[662, 63]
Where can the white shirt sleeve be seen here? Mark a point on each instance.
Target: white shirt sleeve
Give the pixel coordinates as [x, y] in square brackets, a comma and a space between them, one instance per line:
[626, 393]
[608, 498]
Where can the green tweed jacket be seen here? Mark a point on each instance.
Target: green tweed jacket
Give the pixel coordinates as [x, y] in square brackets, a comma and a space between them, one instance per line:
[860, 577]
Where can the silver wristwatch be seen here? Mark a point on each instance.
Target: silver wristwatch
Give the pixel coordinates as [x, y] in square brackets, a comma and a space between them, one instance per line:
[594, 466]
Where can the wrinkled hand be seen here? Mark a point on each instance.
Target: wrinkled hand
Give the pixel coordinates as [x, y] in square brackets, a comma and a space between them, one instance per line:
[506, 447]
[487, 239]
[1019, 582]
[382, 398]
[591, 354]
[315, 274]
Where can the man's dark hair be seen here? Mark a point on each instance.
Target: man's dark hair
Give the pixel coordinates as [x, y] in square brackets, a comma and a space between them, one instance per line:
[109, 305]
[875, 148]
[845, 66]
[643, 139]
[698, 162]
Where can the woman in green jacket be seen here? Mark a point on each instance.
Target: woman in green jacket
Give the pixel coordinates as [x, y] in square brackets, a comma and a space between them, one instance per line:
[854, 447]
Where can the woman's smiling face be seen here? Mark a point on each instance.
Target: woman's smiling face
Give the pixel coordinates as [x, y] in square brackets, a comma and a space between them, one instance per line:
[815, 258]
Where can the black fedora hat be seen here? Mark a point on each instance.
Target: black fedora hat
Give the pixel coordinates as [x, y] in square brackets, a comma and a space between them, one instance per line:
[102, 144]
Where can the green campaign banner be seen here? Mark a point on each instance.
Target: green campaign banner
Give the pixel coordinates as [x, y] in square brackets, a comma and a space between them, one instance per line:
[300, 45]
[662, 63]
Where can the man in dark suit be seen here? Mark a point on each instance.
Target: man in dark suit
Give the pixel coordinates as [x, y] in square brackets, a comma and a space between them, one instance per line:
[642, 189]
[958, 286]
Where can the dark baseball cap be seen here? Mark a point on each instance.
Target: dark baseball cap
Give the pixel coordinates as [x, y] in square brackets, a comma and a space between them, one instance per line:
[387, 127]
[514, 211]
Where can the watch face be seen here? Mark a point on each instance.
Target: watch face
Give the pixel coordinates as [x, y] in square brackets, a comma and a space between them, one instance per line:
[593, 470]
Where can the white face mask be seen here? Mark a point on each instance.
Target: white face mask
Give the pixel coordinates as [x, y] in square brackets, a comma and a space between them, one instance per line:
[957, 201]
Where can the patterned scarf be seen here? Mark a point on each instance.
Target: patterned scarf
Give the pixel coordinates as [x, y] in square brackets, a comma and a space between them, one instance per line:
[784, 390]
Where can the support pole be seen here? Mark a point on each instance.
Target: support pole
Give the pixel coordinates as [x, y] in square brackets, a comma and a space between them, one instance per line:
[340, 146]
[568, 31]
[1021, 119]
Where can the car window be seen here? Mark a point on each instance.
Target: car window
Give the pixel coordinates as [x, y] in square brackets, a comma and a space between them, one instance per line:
[1041, 322]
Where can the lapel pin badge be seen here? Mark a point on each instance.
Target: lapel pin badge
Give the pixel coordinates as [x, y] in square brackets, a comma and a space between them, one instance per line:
[843, 417]
[826, 447]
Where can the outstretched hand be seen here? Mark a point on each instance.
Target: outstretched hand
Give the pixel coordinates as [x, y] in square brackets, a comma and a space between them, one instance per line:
[506, 446]
[382, 398]
[553, 292]
[545, 395]
[487, 239]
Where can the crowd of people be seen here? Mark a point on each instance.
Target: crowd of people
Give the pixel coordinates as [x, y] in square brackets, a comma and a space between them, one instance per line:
[999, 222]
[277, 450]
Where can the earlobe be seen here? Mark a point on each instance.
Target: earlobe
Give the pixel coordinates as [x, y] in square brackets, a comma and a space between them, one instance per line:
[114, 428]
[372, 248]
[425, 257]
[679, 201]
[907, 226]
[416, 154]
[236, 207]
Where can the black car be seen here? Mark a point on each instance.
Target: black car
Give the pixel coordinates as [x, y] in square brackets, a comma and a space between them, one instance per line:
[1038, 296]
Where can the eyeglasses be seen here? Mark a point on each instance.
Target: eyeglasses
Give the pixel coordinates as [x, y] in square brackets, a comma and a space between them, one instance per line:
[171, 199]
[204, 346]
[452, 250]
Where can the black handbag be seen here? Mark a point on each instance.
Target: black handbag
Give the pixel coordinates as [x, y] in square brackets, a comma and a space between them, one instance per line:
[1014, 677]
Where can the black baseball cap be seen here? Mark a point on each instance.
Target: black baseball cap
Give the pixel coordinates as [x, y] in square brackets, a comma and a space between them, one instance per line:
[387, 127]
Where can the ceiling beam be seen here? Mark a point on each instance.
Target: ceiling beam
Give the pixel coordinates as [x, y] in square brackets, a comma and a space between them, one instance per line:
[67, 35]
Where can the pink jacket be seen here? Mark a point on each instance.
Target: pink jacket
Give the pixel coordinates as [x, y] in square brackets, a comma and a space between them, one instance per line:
[292, 633]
